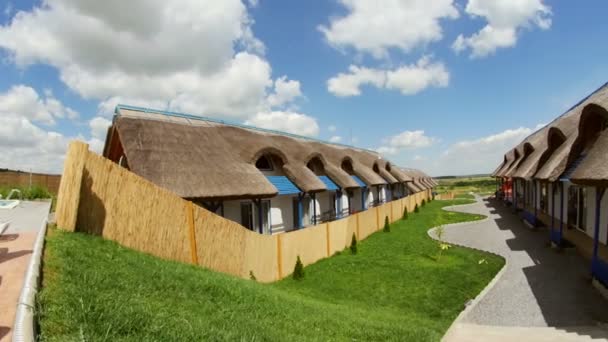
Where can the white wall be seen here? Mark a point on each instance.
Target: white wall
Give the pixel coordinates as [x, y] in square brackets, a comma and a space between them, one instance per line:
[281, 214]
[356, 200]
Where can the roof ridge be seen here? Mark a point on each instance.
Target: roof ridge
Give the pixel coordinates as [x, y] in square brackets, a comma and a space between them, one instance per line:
[233, 124]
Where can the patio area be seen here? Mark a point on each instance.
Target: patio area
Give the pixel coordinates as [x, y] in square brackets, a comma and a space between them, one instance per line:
[16, 245]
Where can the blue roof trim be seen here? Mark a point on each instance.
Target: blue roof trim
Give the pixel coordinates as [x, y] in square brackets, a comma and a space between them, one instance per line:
[284, 185]
[331, 186]
[228, 123]
[571, 168]
[359, 181]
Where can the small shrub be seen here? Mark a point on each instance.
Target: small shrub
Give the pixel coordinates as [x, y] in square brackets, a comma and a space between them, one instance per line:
[416, 208]
[404, 217]
[298, 270]
[252, 276]
[353, 244]
[423, 203]
[443, 246]
[387, 227]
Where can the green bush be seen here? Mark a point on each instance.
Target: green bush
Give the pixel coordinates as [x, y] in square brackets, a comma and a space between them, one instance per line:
[353, 244]
[27, 193]
[423, 203]
[387, 227]
[252, 276]
[298, 270]
[416, 208]
[404, 217]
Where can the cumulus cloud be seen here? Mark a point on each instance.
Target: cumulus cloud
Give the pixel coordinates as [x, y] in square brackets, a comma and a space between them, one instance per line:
[480, 155]
[26, 145]
[374, 28]
[290, 122]
[335, 139]
[285, 91]
[408, 79]
[26, 101]
[405, 140]
[99, 127]
[505, 19]
[199, 57]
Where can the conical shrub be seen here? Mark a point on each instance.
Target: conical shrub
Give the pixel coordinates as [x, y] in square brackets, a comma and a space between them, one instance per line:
[387, 227]
[353, 244]
[404, 217]
[416, 208]
[298, 270]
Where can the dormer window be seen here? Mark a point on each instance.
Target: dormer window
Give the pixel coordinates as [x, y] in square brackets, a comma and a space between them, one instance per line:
[264, 164]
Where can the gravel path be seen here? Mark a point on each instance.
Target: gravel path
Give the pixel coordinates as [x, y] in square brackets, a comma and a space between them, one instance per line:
[539, 287]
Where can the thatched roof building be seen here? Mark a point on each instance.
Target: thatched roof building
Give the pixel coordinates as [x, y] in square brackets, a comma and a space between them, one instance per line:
[572, 146]
[210, 159]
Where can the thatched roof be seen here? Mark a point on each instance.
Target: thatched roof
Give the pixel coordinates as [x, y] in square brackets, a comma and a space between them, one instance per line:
[593, 167]
[559, 144]
[203, 158]
[510, 159]
[532, 150]
[418, 179]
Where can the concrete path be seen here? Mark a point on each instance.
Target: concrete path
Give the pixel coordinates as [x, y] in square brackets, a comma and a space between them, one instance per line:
[16, 245]
[540, 295]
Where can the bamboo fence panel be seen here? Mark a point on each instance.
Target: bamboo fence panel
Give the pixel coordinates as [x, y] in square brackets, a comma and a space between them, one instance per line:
[99, 197]
[367, 223]
[341, 233]
[396, 210]
[309, 243]
[10, 178]
[68, 196]
[112, 201]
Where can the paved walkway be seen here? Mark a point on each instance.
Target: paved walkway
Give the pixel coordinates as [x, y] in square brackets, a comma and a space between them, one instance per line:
[16, 245]
[541, 294]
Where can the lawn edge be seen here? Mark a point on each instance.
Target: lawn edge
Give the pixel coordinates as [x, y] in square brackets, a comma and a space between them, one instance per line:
[492, 282]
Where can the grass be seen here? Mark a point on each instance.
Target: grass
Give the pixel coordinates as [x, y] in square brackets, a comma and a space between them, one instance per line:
[28, 193]
[392, 289]
[465, 185]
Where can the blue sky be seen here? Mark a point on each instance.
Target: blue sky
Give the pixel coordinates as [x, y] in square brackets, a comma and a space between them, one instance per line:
[396, 76]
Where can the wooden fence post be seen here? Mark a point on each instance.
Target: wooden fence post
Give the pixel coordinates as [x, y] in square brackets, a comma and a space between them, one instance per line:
[190, 218]
[279, 257]
[328, 242]
[68, 197]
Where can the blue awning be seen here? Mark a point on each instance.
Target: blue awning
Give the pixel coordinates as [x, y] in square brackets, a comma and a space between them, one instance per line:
[331, 186]
[571, 168]
[359, 181]
[284, 185]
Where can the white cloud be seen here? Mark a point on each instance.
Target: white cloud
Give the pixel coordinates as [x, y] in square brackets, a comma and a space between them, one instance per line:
[372, 27]
[99, 127]
[408, 79]
[405, 140]
[26, 102]
[199, 57]
[25, 145]
[335, 139]
[505, 18]
[290, 122]
[285, 91]
[481, 155]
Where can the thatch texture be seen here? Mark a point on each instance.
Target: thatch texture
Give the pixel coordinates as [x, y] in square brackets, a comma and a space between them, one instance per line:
[593, 169]
[528, 167]
[196, 158]
[508, 160]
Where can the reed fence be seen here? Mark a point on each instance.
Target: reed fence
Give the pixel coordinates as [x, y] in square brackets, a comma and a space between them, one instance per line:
[97, 196]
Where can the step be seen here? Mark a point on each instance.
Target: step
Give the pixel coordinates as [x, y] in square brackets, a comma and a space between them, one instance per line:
[482, 333]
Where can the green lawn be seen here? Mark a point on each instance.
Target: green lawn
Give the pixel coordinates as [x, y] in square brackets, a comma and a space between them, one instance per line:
[393, 289]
